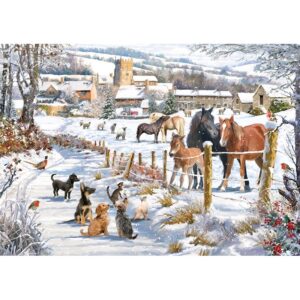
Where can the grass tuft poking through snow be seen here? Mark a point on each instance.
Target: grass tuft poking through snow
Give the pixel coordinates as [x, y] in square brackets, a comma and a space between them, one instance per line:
[183, 215]
[204, 252]
[246, 226]
[201, 238]
[148, 189]
[98, 176]
[166, 200]
[175, 247]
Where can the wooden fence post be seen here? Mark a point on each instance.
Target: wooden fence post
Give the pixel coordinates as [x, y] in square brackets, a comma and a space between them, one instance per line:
[114, 158]
[107, 157]
[153, 160]
[165, 156]
[129, 166]
[268, 165]
[121, 157]
[207, 175]
[140, 159]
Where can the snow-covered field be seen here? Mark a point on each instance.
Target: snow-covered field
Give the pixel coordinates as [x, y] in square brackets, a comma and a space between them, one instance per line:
[64, 239]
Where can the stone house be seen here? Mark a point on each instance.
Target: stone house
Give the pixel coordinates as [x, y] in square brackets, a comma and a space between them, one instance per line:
[195, 99]
[243, 101]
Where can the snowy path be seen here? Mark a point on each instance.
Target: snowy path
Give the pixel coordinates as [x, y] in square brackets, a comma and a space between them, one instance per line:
[65, 239]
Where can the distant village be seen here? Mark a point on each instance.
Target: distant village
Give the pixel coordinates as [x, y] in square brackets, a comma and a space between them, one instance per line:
[66, 94]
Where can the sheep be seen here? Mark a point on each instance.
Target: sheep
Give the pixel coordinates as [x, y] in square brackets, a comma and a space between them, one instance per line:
[101, 126]
[86, 125]
[121, 132]
[113, 128]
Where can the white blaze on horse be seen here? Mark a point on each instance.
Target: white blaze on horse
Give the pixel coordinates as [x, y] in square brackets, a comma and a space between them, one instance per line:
[184, 159]
[172, 123]
[239, 139]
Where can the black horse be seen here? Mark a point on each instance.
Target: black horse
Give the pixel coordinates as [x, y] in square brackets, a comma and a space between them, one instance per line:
[203, 129]
[153, 128]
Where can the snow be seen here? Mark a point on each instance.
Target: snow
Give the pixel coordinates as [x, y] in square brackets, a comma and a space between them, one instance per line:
[228, 208]
[142, 78]
[130, 92]
[210, 93]
[246, 97]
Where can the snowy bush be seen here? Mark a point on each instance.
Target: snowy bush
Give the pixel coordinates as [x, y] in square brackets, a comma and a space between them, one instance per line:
[19, 230]
[282, 233]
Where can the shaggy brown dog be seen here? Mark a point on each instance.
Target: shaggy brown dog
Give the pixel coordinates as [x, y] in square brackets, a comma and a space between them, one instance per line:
[100, 223]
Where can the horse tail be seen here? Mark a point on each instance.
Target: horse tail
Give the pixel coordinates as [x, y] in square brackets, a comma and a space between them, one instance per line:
[181, 127]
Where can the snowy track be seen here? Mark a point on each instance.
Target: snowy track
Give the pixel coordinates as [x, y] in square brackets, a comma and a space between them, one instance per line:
[65, 239]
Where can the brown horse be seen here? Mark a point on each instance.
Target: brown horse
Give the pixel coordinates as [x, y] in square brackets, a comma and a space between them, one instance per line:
[172, 123]
[185, 159]
[153, 128]
[241, 139]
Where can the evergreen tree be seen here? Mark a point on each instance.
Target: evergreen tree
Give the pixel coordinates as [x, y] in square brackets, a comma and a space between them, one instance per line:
[170, 105]
[109, 107]
[152, 106]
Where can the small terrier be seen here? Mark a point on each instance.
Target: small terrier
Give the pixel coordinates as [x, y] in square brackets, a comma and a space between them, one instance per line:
[123, 222]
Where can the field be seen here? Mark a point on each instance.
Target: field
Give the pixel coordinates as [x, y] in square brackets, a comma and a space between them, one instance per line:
[216, 233]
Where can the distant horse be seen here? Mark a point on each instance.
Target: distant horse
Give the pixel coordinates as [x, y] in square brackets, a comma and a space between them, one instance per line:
[203, 129]
[236, 111]
[153, 128]
[187, 113]
[185, 159]
[173, 122]
[241, 139]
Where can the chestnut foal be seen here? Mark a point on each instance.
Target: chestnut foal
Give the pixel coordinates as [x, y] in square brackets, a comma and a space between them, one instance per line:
[185, 159]
[241, 139]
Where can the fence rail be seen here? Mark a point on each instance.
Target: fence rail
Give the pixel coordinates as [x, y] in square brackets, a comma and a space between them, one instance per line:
[124, 163]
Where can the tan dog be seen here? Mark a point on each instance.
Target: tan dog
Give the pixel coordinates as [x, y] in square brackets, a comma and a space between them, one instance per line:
[100, 223]
[141, 213]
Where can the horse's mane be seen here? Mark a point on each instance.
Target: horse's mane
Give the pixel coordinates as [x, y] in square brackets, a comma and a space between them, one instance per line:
[195, 122]
[237, 130]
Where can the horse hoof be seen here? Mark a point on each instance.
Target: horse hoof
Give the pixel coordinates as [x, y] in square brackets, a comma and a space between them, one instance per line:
[247, 188]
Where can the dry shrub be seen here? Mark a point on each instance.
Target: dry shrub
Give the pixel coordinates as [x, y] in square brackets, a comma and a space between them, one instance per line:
[246, 226]
[148, 189]
[175, 247]
[183, 215]
[98, 176]
[204, 252]
[166, 200]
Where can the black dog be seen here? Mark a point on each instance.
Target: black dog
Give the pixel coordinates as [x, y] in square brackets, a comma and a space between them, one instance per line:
[65, 186]
[84, 207]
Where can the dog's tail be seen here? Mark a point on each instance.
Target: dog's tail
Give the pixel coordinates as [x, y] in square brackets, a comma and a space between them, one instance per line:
[133, 237]
[52, 177]
[84, 233]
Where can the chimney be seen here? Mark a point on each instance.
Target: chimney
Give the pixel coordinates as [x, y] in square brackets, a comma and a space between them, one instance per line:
[62, 80]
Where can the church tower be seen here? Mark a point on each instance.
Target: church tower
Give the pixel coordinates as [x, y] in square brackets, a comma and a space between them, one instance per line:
[123, 74]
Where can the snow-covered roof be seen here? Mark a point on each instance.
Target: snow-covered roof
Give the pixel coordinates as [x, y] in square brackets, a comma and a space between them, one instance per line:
[145, 103]
[130, 92]
[246, 97]
[159, 88]
[139, 78]
[74, 85]
[169, 85]
[209, 93]
[273, 91]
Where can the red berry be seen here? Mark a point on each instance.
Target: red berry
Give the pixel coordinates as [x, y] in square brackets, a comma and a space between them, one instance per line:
[290, 226]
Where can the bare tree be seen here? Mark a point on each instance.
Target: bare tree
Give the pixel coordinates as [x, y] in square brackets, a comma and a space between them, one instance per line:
[281, 61]
[7, 80]
[29, 58]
